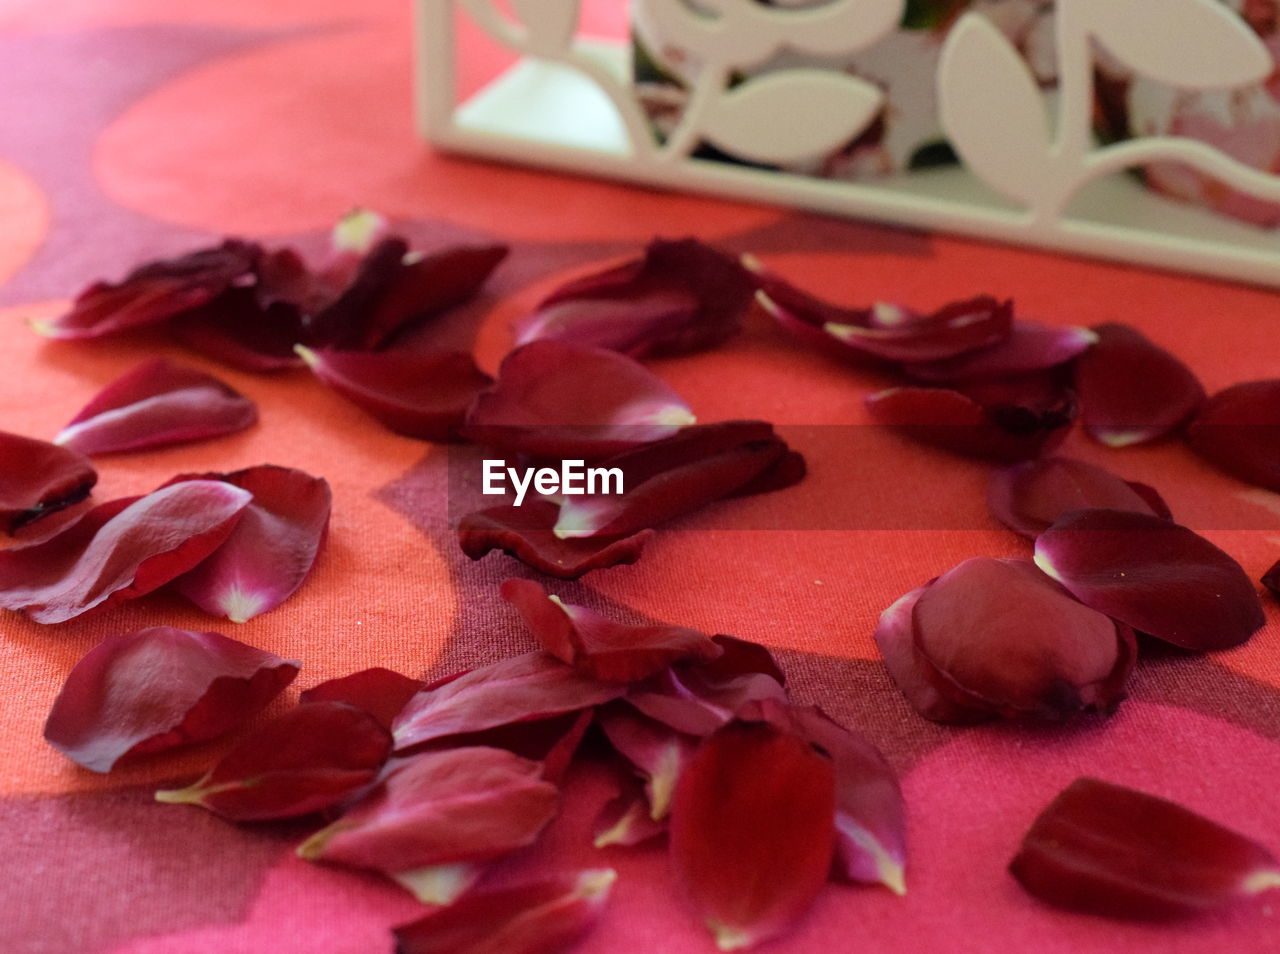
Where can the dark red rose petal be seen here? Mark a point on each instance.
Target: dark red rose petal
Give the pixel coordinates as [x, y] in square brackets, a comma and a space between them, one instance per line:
[1238, 431]
[1131, 390]
[682, 296]
[1271, 580]
[740, 657]
[38, 478]
[698, 698]
[422, 394]
[157, 689]
[752, 831]
[241, 330]
[272, 549]
[393, 290]
[120, 550]
[600, 647]
[626, 820]
[658, 752]
[519, 689]
[154, 292]
[1154, 575]
[526, 533]
[559, 400]
[540, 917]
[1006, 638]
[155, 404]
[1106, 849]
[913, 674]
[1030, 346]
[380, 692]
[451, 807]
[1028, 497]
[309, 758]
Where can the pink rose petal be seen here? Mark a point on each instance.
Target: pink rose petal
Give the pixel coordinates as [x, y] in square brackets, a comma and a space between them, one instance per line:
[1154, 575]
[272, 549]
[626, 820]
[157, 689]
[600, 647]
[1029, 347]
[155, 404]
[1238, 431]
[658, 752]
[380, 692]
[1131, 390]
[1028, 497]
[38, 478]
[698, 698]
[120, 550]
[559, 400]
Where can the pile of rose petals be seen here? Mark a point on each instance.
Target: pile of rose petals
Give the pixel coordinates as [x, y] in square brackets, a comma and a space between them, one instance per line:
[431, 784]
[235, 544]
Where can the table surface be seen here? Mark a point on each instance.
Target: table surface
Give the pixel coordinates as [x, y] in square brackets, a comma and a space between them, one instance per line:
[129, 129]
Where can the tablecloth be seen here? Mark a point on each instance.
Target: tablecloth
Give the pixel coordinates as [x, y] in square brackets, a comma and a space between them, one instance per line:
[131, 129]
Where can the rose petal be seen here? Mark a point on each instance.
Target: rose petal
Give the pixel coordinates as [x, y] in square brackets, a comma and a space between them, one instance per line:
[38, 478]
[153, 292]
[1010, 420]
[1106, 849]
[1271, 580]
[699, 698]
[1131, 390]
[519, 689]
[242, 330]
[1238, 431]
[395, 289]
[380, 692]
[526, 533]
[1028, 497]
[422, 394]
[658, 752]
[538, 917]
[1154, 575]
[460, 805]
[272, 549]
[559, 400]
[157, 689]
[309, 758]
[912, 673]
[626, 820]
[752, 831]
[155, 404]
[740, 657]
[1006, 638]
[682, 296]
[120, 550]
[1029, 347]
[600, 647]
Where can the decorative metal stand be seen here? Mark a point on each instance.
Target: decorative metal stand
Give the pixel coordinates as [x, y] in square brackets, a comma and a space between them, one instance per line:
[1031, 171]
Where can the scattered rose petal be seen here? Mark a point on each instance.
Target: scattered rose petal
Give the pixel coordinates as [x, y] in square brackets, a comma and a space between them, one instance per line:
[394, 289]
[380, 692]
[456, 806]
[157, 689]
[272, 549]
[311, 757]
[1238, 431]
[600, 647]
[1131, 390]
[698, 698]
[518, 689]
[154, 292]
[752, 831]
[1005, 638]
[539, 917]
[1106, 849]
[1008, 420]
[670, 478]
[38, 478]
[559, 400]
[241, 330]
[626, 820]
[1156, 576]
[658, 752]
[120, 550]
[422, 394]
[1271, 580]
[1029, 497]
[155, 404]
[527, 533]
[1029, 347]
[682, 296]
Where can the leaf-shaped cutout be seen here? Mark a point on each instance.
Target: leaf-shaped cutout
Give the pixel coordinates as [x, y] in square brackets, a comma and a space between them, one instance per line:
[992, 110]
[551, 23]
[1199, 44]
[831, 29]
[790, 116]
